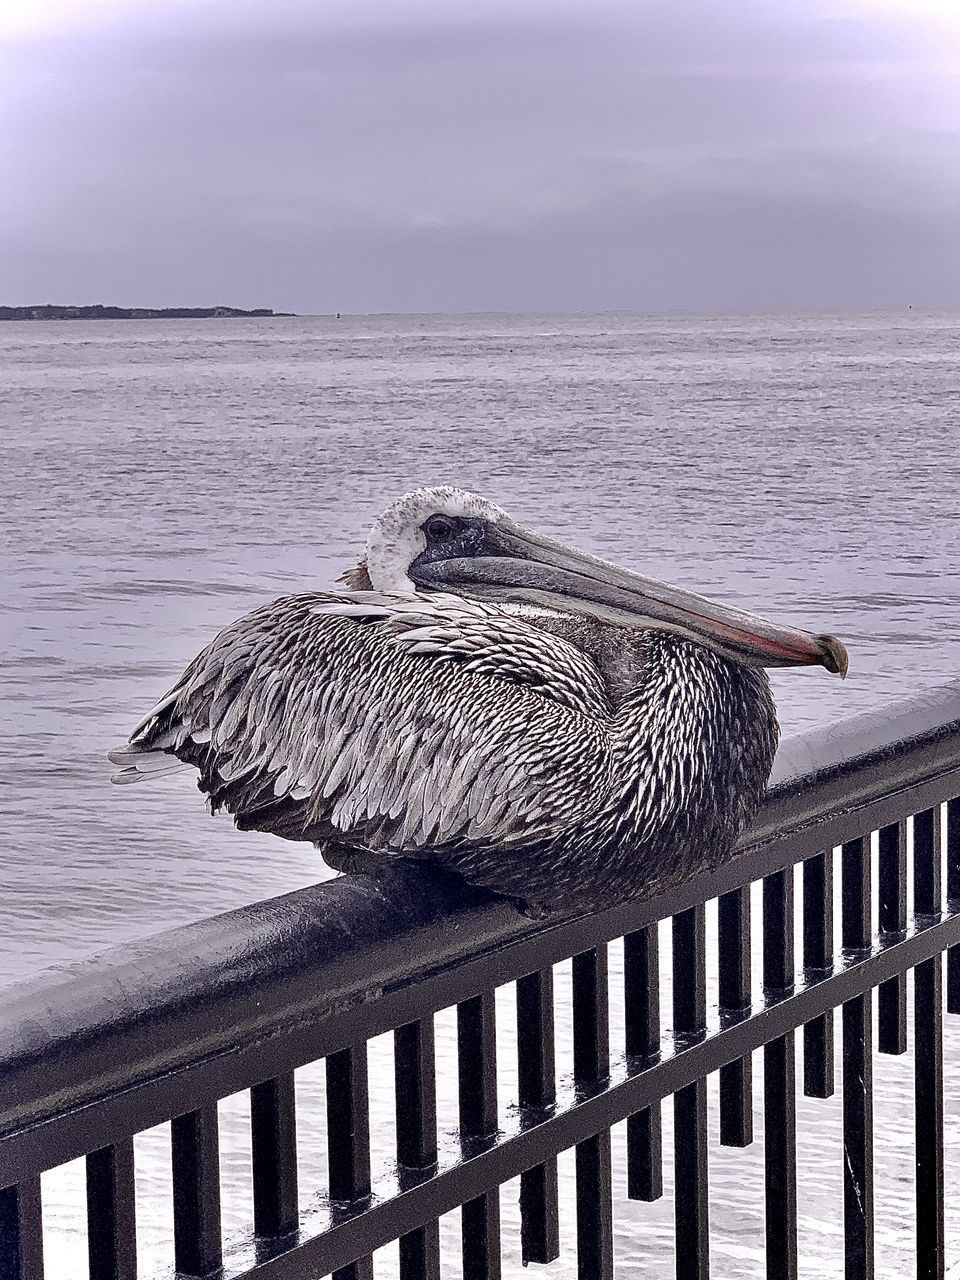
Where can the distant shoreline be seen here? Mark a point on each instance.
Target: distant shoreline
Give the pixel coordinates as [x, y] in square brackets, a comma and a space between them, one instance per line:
[100, 312]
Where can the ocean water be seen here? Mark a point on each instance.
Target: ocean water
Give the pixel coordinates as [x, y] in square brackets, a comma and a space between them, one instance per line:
[160, 478]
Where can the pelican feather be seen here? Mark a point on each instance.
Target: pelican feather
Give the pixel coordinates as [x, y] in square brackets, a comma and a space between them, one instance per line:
[542, 723]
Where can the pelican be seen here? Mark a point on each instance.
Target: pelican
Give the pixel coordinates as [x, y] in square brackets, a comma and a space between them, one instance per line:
[531, 718]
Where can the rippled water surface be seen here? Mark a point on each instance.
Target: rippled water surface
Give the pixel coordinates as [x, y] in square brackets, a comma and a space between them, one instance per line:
[160, 478]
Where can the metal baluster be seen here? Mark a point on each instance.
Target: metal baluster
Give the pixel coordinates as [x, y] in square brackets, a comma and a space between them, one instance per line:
[818, 1067]
[539, 1211]
[892, 994]
[195, 1144]
[927, 863]
[780, 1084]
[112, 1213]
[953, 896]
[415, 1080]
[273, 1131]
[348, 1139]
[928, 1055]
[641, 980]
[591, 1063]
[691, 1189]
[736, 1078]
[21, 1232]
[477, 1065]
[857, 1072]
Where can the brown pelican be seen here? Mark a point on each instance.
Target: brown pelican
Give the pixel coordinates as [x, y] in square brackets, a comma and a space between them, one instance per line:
[539, 721]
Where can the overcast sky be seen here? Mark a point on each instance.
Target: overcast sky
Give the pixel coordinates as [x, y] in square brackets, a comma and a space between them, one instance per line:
[407, 155]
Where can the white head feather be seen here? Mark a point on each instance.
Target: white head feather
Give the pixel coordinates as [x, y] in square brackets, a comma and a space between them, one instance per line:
[397, 538]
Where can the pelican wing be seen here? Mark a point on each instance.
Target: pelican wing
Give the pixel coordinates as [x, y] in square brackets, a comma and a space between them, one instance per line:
[393, 723]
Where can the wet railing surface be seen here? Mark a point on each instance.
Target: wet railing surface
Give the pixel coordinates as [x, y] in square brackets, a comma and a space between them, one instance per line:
[162, 1031]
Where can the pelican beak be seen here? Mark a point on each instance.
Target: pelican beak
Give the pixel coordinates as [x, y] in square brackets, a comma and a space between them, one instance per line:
[517, 566]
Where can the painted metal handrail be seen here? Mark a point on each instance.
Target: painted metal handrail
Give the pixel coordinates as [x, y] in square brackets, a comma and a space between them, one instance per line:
[94, 1053]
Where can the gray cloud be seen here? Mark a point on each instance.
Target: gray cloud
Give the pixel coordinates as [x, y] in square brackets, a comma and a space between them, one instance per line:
[400, 156]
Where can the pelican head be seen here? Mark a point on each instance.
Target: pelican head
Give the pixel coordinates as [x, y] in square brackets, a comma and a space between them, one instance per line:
[443, 539]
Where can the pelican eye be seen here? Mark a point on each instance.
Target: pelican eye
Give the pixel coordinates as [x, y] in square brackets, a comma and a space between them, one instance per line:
[440, 529]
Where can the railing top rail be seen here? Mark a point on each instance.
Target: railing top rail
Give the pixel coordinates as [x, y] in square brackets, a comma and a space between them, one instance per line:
[234, 998]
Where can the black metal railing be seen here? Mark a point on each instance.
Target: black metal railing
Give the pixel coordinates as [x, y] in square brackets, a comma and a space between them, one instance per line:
[163, 1030]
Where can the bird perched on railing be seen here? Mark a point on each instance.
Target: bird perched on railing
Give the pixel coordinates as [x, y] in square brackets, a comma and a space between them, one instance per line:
[538, 721]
